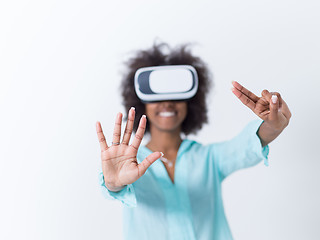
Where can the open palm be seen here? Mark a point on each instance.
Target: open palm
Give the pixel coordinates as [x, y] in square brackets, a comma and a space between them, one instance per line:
[119, 161]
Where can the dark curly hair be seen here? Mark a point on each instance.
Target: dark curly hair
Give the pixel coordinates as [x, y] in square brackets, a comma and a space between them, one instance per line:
[156, 56]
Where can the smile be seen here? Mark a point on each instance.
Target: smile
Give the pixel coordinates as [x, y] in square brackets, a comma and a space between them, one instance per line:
[167, 114]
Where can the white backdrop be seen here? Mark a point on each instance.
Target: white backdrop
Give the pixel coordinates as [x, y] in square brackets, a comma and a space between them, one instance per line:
[60, 66]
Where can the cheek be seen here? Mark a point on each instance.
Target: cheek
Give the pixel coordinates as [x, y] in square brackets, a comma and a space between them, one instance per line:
[149, 110]
[185, 108]
[185, 114]
[184, 111]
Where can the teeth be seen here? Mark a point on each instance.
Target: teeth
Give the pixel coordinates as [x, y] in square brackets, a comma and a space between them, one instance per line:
[166, 114]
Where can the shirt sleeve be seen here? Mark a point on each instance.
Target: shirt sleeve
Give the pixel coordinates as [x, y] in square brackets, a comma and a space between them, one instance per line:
[126, 195]
[244, 150]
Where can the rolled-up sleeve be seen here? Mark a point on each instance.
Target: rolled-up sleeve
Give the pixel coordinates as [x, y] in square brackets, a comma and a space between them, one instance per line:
[126, 195]
[244, 150]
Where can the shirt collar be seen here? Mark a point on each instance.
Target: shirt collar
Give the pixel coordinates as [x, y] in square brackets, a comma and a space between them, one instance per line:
[184, 146]
[158, 168]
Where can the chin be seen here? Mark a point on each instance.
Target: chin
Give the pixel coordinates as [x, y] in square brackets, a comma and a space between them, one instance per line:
[169, 128]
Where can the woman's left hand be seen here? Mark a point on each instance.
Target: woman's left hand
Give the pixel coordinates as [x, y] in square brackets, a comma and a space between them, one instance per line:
[270, 107]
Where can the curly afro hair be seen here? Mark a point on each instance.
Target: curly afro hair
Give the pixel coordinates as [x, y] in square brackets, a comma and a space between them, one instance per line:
[158, 56]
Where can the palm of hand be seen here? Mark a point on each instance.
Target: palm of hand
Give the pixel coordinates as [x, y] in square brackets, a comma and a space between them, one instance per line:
[119, 161]
[120, 164]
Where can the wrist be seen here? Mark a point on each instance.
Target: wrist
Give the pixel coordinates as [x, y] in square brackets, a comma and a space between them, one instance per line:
[270, 128]
[114, 188]
[273, 129]
[111, 186]
[268, 133]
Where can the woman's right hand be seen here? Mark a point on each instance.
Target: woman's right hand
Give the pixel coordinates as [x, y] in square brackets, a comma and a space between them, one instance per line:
[119, 160]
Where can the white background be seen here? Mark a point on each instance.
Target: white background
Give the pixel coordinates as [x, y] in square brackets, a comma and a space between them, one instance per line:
[60, 66]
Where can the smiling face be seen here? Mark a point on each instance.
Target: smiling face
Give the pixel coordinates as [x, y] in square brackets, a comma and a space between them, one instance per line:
[166, 116]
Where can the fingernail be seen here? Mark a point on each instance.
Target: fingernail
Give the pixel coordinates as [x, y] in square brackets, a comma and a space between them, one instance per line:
[161, 154]
[132, 108]
[144, 116]
[274, 99]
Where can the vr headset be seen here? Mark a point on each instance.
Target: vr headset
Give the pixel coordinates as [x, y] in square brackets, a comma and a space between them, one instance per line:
[163, 83]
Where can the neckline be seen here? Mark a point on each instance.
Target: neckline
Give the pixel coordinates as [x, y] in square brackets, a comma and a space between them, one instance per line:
[159, 169]
[180, 150]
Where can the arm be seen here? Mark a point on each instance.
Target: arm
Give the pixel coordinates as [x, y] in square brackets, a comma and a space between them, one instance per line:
[270, 107]
[242, 151]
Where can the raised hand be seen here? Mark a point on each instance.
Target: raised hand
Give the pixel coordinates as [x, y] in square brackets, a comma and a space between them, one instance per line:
[119, 160]
[270, 107]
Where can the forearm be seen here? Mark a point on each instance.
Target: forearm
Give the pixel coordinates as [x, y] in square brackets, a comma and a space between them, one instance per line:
[267, 133]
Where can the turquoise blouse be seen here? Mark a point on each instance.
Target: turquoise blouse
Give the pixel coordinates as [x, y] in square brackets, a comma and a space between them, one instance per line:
[192, 207]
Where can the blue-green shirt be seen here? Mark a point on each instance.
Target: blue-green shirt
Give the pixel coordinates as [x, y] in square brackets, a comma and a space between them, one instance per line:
[192, 207]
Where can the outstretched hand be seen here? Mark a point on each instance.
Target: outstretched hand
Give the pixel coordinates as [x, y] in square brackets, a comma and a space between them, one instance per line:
[270, 107]
[119, 160]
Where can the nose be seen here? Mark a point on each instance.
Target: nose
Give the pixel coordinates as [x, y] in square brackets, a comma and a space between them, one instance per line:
[167, 103]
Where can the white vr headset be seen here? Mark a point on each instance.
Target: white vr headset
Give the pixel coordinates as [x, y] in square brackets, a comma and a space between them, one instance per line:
[162, 83]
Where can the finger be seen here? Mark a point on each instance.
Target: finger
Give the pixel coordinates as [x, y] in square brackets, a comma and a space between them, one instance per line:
[285, 110]
[274, 107]
[129, 127]
[244, 99]
[283, 107]
[143, 166]
[117, 129]
[266, 94]
[245, 91]
[279, 98]
[140, 132]
[101, 138]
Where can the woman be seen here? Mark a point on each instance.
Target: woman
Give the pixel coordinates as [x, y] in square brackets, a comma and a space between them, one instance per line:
[180, 196]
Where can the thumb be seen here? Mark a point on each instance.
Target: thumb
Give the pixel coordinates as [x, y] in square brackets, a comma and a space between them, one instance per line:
[143, 166]
[274, 107]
